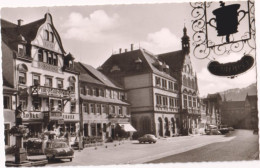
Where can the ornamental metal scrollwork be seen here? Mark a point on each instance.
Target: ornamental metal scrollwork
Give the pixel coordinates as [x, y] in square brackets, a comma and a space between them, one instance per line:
[203, 46]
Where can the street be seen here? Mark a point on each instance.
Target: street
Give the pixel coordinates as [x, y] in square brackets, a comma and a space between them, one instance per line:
[237, 145]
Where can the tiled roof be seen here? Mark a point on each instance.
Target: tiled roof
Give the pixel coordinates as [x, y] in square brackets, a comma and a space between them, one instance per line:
[126, 62]
[103, 99]
[174, 59]
[11, 31]
[85, 76]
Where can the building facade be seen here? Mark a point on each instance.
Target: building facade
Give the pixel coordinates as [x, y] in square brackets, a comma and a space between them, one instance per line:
[162, 89]
[104, 106]
[251, 108]
[36, 64]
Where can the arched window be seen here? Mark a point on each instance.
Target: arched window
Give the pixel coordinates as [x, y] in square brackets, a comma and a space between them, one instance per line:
[46, 35]
[184, 81]
[40, 55]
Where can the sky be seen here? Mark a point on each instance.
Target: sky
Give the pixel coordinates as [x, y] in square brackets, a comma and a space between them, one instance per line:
[93, 33]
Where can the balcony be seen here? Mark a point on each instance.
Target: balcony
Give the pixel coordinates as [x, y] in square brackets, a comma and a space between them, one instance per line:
[45, 91]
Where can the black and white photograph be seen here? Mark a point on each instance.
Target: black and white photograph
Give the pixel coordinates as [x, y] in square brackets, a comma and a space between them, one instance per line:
[129, 83]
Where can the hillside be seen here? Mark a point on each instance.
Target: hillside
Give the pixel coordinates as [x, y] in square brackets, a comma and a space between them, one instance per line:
[239, 94]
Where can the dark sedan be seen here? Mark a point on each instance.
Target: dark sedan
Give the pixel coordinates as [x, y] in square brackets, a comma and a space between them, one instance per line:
[58, 150]
[147, 138]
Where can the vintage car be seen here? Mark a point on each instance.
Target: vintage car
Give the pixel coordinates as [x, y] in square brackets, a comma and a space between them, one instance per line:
[212, 130]
[223, 129]
[58, 150]
[147, 138]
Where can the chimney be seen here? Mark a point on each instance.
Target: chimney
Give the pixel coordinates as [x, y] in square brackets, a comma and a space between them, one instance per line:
[132, 47]
[125, 50]
[19, 22]
[120, 50]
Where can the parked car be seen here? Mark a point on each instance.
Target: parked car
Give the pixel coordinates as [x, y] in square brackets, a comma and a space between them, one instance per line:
[212, 130]
[58, 150]
[223, 129]
[147, 138]
[231, 129]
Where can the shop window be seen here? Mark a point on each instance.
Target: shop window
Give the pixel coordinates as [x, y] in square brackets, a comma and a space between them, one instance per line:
[7, 102]
[36, 80]
[60, 84]
[22, 78]
[48, 82]
[23, 102]
[36, 104]
[73, 107]
[40, 55]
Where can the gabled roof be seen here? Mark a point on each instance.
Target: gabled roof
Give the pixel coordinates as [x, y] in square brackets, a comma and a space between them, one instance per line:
[127, 63]
[11, 31]
[174, 59]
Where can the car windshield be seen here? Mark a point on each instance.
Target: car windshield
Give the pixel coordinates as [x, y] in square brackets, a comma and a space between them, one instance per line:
[59, 145]
[151, 136]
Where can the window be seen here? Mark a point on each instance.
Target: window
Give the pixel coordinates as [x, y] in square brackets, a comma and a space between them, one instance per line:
[55, 60]
[46, 35]
[94, 91]
[194, 102]
[36, 80]
[170, 85]
[23, 102]
[72, 81]
[40, 55]
[59, 83]
[85, 107]
[175, 86]
[21, 50]
[87, 90]
[52, 104]
[112, 109]
[97, 92]
[22, 78]
[115, 95]
[164, 83]
[36, 104]
[101, 93]
[103, 108]
[176, 102]
[189, 82]
[190, 102]
[73, 107]
[171, 102]
[98, 108]
[185, 100]
[184, 81]
[157, 81]
[45, 56]
[70, 64]
[50, 58]
[7, 102]
[158, 100]
[51, 37]
[120, 112]
[48, 82]
[92, 109]
[165, 101]
[59, 105]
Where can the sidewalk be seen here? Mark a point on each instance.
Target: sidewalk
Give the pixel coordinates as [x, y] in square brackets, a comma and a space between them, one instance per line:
[30, 158]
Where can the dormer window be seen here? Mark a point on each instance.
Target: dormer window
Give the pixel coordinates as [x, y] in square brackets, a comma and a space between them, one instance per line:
[72, 81]
[70, 64]
[51, 37]
[21, 49]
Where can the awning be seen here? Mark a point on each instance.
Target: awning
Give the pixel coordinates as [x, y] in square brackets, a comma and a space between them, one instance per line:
[127, 127]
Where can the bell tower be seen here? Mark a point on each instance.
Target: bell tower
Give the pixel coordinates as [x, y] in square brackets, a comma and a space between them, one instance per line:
[185, 41]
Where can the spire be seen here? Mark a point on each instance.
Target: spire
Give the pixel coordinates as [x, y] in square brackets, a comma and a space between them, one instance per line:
[185, 40]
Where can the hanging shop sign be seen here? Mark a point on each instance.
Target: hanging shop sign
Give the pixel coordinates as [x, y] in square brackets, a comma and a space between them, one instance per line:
[231, 69]
[32, 116]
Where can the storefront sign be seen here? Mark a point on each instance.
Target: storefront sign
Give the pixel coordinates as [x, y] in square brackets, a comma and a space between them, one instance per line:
[32, 115]
[70, 117]
[41, 90]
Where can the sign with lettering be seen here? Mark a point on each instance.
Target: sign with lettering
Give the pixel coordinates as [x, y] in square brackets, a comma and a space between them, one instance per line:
[32, 115]
[42, 90]
[70, 117]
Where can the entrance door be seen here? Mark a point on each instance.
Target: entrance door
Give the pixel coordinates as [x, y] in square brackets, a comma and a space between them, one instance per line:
[86, 130]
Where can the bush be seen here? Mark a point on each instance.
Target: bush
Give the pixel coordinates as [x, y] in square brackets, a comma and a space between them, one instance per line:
[11, 149]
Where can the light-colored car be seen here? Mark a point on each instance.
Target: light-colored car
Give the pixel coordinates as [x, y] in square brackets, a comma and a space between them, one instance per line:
[58, 150]
[231, 129]
[147, 138]
[223, 129]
